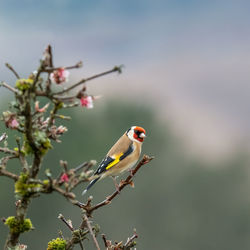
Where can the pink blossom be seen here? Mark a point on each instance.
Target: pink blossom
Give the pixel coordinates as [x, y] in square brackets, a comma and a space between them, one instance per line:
[40, 110]
[59, 76]
[64, 178]
[10, 120]
[13, 123]
[87, 101]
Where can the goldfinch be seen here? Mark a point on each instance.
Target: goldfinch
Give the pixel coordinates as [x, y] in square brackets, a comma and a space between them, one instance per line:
[121, 157]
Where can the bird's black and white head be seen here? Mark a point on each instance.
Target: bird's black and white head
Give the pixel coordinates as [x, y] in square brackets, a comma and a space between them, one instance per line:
[136, 134]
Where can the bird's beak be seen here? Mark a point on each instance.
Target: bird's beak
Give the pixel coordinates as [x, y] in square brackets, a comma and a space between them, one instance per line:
[142, 135]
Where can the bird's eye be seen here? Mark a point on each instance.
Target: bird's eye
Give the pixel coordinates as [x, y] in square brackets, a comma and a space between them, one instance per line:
[137, 132]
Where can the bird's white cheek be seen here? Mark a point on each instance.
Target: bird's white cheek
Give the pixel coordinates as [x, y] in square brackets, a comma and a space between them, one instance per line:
[130, 136]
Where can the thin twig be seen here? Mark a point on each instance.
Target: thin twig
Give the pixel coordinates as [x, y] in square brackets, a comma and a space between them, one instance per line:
[66, 98]
[64, 164]
[52, 115]
[4, 160]
[91, 232]
[63, 117]
[6, 173]
[78, 178]
[71, 105]
[12, 69]
[37, 75]
[48, 58]
[60, 216]
[76, 66]
[49, 49]
[115, 69]
[7, 86]
[21, 156]
[130, 240]
[68, 195]
[105, 240]
[81, 245]
[3, 137]
[87, 164]
[8, 151]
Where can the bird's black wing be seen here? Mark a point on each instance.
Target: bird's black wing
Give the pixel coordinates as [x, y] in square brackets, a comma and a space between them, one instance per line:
[109, 162]
[102, 167]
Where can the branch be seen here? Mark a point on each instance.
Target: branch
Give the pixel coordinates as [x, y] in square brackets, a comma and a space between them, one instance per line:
[61, 217]
[91, 231]
[7, 86]
[130, 240]
[89, 209]
[21, 156]
[87, 164]
[68, 195]
[115, 69]
[8, 151]
[21, 211]
[12, 69]
[4, 160]
[78, 179]
[106, 243]
[48, 56]
[6, 173]
[54, 187]
[63, 117]
[4, 136]
[77, 235]
[76, 66]
[52, 115]
[118, 245]
[28, 129]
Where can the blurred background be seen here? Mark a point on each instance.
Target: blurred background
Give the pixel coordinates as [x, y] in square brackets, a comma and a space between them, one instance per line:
[185, 80]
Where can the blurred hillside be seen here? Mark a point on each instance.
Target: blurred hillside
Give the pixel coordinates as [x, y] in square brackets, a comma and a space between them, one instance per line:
[178, 203]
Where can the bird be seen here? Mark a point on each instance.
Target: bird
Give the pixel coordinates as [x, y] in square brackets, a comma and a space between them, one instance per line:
[121, 157]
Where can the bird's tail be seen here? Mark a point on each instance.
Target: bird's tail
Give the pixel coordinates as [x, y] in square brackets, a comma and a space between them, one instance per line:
[90, 185]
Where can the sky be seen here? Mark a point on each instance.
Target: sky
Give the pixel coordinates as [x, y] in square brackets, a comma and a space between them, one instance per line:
[189, 59]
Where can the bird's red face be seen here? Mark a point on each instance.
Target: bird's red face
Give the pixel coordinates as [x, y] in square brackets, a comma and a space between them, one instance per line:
[139, 133]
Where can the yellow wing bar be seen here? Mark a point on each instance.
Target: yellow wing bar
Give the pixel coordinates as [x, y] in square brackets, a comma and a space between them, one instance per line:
[117, 159]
